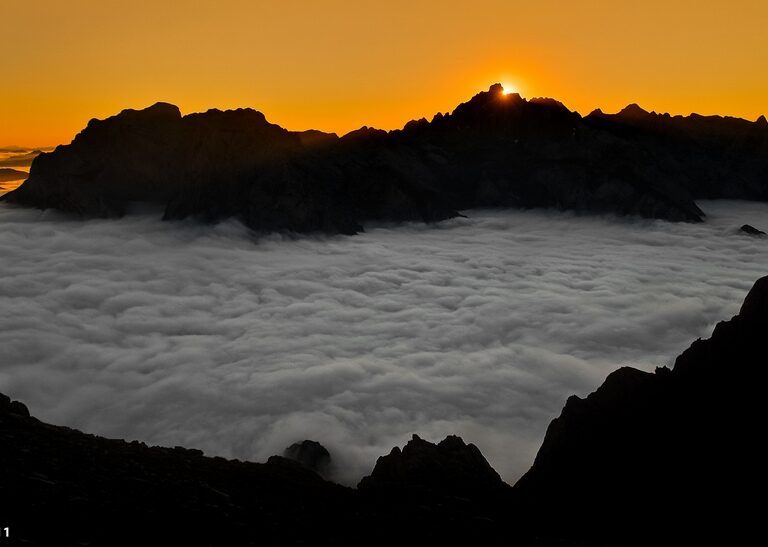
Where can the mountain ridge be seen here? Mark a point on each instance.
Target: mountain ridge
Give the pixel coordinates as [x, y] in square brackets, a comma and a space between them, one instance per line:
[494, 150]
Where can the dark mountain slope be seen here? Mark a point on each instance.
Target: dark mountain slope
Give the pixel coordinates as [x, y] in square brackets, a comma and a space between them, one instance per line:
[669, 455]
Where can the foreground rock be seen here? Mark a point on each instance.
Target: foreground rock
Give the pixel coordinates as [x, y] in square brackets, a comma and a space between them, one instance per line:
[494, 150]
[59, 486]
[664, 456]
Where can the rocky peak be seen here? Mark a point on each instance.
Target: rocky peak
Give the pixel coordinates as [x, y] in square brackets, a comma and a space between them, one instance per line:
[633, 112]
[496, 89]
[751, 230]
[12, 407]
[450, 466]
[488, 102]
[310, 454]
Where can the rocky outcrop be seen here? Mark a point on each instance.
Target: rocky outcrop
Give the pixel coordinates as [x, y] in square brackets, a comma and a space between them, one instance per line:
[664, 456]
[12, 407]
[449, 467]
[310, 454]
[494, 150]
[751, 230]
[59, 486]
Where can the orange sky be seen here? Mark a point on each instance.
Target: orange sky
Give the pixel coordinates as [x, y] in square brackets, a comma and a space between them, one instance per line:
[336, 65]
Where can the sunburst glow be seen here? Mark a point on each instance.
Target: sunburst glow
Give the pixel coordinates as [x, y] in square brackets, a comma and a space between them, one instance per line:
[508, 88]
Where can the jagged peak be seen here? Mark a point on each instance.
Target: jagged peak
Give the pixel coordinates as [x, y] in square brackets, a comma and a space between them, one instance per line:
[450, 465]
[415, 124]
[761, 120]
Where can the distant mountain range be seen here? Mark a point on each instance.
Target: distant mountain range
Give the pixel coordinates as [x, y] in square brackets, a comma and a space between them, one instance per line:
[12, 174]
[495, 150]
[664, 458]
[16, 156]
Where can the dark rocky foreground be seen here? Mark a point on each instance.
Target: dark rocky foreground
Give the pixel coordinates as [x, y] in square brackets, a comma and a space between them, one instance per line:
[495, 150]
[670, 457]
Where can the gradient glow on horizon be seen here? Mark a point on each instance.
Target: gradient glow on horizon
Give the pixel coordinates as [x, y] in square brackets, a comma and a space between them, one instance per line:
[338, 65]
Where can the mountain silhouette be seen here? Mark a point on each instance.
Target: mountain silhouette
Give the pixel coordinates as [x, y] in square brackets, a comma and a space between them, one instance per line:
[494, 150]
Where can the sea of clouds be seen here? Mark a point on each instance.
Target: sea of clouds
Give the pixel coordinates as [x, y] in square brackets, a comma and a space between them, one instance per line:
[212, 337]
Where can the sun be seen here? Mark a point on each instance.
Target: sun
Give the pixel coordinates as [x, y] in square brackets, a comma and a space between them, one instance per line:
[507, 88]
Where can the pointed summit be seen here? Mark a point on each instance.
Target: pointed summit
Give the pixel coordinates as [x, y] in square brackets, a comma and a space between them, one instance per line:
[632, 112]
[761, 121]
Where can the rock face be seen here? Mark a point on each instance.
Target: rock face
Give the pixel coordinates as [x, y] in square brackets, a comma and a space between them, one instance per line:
[664, 456]
[310, 454]
[494, 150]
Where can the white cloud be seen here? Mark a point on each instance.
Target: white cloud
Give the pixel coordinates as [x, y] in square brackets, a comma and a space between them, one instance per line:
[204, 337]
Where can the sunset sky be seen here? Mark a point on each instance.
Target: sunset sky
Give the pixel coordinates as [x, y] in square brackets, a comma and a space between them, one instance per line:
[336, 65]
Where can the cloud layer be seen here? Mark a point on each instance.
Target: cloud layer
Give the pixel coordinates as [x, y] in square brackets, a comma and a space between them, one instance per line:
[15, 156]
[179, 334]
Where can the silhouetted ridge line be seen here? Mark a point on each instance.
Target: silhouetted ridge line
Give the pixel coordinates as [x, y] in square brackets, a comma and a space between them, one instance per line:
[493, 150]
